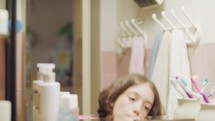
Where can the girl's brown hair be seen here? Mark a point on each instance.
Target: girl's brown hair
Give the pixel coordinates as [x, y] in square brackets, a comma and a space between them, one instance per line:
[108, 96]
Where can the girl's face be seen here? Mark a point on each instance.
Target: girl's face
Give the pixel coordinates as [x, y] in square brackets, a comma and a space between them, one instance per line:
[135, 103]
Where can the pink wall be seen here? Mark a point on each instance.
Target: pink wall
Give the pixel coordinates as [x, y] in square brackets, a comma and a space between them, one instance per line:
[202, 61]
[201, 58]
[108, 69]
[115, 66]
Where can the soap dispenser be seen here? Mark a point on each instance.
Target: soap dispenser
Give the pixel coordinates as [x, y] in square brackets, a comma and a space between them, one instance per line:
[49, 92]
[35, 91]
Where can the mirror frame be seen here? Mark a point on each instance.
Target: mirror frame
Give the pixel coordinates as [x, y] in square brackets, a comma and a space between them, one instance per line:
[10, 87]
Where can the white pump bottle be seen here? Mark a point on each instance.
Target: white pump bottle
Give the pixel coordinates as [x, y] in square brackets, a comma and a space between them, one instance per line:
[49, 92]
[41, 71]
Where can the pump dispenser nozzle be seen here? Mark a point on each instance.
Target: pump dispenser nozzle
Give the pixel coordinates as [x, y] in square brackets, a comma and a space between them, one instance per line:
[44, 68]
[49, 75]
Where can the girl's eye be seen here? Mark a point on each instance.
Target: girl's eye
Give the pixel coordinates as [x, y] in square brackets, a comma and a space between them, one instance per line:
[146, 108]
[132, 99]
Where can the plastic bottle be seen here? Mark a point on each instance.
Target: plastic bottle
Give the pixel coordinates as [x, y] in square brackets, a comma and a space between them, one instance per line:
[41, 71]
[49, 92]
[3, 22]
[69, 109]
[5, 110]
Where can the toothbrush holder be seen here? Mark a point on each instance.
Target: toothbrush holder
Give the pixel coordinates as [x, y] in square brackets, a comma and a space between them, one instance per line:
[207, 112]
[187, 108]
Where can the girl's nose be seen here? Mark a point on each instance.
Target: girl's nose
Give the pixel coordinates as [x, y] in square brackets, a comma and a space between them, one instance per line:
[136, 108]
[137, 112]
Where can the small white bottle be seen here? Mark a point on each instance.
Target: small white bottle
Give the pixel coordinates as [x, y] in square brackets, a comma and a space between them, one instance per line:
[49, 92]
[69, 109]
[3, 22]
[5, 110]
[39, 80]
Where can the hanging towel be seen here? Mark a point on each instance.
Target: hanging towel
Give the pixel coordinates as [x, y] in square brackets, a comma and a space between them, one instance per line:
[137, 56]
[160, 75]
[153, 56]
[179, 65]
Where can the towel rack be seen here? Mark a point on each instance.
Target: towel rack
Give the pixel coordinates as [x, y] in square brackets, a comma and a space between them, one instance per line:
[129, 29]
[192, 31]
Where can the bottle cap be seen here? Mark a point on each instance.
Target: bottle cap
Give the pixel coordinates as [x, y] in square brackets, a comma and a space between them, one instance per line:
[69, 101]
[45, 69]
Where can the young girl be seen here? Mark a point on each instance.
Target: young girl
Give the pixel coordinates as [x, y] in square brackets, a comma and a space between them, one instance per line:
[131, 97]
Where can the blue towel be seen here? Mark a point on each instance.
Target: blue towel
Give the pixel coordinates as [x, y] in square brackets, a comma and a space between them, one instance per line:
[153, 56]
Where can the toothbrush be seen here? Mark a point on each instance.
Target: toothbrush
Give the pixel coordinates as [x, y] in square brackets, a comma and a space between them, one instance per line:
[183, 81]
[177, 87]
[197, 88]
[184, 88]
[198, 96]
[211, 92]
[204, 84]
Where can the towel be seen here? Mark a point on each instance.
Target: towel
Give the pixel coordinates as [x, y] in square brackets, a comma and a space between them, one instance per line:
[153, 56]
[160, 75]
[137, 56]
[179, 65]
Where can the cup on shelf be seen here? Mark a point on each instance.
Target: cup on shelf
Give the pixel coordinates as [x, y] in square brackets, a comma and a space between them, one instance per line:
[207, 111]
[187, 108]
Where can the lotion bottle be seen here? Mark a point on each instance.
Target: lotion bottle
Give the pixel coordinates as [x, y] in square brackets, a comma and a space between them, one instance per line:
[35, 91]
[49, 92]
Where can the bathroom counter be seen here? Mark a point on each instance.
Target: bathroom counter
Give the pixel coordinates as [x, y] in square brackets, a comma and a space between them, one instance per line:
[160, 118]
[142, 120]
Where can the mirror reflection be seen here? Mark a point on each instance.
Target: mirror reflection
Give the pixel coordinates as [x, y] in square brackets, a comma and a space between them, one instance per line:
[50, 39]
[111, 59]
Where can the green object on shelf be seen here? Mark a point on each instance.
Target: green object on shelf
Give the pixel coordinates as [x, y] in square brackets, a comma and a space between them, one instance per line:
[66, 30]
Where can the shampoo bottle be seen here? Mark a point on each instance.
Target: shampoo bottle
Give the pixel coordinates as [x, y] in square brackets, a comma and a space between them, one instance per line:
[49, 92]
[35, 101]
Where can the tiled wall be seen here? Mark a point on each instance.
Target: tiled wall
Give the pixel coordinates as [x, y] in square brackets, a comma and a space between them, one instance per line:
[108, 69]
[202, 61]
[114, 66]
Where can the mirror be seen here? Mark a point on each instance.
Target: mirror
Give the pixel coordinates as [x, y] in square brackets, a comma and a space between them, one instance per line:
[53, 36]
[49, 37]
